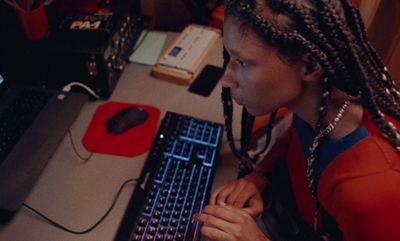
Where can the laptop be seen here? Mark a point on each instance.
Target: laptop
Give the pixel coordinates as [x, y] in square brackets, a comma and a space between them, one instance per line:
[33, 122]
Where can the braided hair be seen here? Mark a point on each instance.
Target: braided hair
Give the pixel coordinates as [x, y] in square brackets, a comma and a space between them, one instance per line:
[333, 33]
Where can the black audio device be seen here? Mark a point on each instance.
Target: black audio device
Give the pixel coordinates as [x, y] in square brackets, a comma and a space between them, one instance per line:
[93, 47]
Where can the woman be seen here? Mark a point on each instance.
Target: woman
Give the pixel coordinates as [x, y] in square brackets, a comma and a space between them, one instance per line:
[340, 157]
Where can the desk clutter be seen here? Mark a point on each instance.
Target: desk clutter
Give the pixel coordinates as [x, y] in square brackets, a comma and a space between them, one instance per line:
[66, 41]
[92, 47]
[183, 60]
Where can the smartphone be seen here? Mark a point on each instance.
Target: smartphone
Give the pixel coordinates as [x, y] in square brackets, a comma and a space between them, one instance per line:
[206, 81]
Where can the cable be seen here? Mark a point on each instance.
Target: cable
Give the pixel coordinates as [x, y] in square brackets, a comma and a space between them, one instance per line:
[76, 149]
[57, 225]
[68, 87]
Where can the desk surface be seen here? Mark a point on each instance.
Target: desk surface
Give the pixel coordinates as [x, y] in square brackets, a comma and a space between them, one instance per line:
[76, 193]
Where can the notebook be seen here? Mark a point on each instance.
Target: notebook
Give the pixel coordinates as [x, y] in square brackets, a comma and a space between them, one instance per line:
[33, 121]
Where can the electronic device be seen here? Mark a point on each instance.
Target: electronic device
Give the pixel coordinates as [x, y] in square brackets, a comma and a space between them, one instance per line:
[33, 121]
[206, 81]
[126, 119]
[185, 57]
[94, 47]
[175, 182]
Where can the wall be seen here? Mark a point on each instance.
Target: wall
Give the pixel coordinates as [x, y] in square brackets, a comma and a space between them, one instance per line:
[166, 14]
[393, 59]
[384, 35]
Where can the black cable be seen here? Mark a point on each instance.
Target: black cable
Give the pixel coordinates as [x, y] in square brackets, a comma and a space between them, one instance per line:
[86, 159]
[93, 226]
[76, 150]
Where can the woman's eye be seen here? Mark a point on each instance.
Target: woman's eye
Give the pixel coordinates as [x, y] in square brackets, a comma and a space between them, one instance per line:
[242, 63]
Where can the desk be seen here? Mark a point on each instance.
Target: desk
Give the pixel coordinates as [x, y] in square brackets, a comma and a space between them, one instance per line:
[76, 193]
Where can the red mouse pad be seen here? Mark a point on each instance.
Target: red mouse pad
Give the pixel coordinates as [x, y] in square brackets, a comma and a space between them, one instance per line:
[133, 142]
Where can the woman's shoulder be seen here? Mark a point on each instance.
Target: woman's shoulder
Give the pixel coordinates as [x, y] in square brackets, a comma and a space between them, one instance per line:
[372, 165]
[362, 188]
[374, 153]
[371, 155]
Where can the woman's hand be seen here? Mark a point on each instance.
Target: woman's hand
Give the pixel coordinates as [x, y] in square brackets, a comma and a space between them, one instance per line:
[227, 223]
[243, 193]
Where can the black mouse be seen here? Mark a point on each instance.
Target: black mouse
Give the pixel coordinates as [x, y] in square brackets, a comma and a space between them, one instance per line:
[126, 119]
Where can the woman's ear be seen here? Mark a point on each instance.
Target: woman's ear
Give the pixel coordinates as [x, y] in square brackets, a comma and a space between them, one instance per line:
[311, 70]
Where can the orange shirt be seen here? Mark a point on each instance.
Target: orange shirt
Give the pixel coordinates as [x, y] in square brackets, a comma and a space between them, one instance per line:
[360, 188]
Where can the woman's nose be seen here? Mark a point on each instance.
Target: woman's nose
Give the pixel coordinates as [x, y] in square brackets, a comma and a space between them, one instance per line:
[227, 79]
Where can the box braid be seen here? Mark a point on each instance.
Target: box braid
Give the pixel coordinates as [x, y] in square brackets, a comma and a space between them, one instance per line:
[386, 78]
[338, 43]
[282, 39]
[303, 17]
[366, 63]
[359, 73]
[357, 26]
[385, 95]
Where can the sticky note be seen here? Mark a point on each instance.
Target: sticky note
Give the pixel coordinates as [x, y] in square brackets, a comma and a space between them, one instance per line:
[148, 48]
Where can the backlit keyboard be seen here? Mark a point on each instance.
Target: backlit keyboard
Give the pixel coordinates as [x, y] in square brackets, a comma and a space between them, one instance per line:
[175, 183]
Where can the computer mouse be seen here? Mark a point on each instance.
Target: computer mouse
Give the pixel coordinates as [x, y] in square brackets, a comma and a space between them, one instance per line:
[126, 119]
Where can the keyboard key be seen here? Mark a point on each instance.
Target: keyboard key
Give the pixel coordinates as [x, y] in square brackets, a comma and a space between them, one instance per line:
[184, 220]
[162, 199]
[186, 213]
[157, 214]
[139, 230]
[169, 237]
[164, 221]
[181, 228]
[179, 237]
[160, 237]
[154, 222]
[171, 230]
[170, 205]
[174, 222]
[152, 230]
[176, 214]
[160, 207]
[149, 237]
[137, 237]
[149, 201]
[162, 229]
[142, 221]
[167, 213]
[147, 209]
